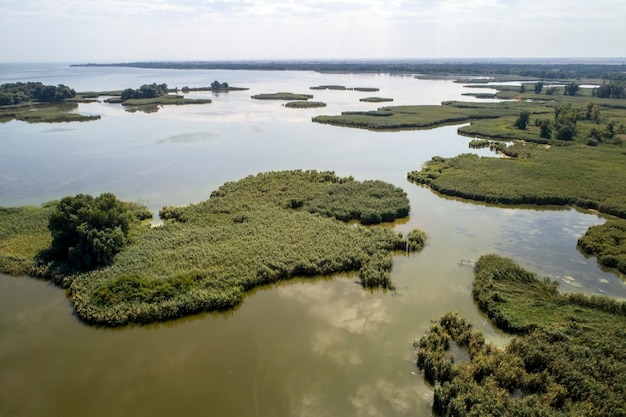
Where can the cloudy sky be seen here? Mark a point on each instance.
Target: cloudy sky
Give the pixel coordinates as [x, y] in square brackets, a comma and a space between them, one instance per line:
[132, 30]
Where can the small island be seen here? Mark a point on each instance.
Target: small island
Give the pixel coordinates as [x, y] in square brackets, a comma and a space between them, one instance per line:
[282, 96]
[375, 99]
[216, 86]
[305, 104]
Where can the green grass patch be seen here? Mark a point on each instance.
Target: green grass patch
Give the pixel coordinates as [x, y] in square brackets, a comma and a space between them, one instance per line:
[420, 117]
[60, 112]
[568, 357]
[170, 99]
[607, 242]
[375, 99]
[304, 104]
[23, 234]
[587, 177]
[282, 96]
[329, 87]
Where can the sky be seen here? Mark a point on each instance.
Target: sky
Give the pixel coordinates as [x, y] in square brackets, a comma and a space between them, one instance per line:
[105, 31]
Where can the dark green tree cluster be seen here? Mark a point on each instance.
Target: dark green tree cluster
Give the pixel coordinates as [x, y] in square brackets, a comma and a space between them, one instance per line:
[612, 89]
[17, 93]
[88, 232]
[145, 91]
[565, 118]
[523, 120]
[216, 85]
[571, 89]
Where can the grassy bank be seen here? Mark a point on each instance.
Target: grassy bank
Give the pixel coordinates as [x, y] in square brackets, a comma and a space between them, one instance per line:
[420, 117]
[567, 358]
[607, 242]
[61, 112]
[587, 177]
[251, 232]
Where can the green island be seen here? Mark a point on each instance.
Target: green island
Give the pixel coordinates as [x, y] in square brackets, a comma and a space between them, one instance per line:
[329, 87]
[152, 95]
[205, 256]
[282, 96]
[305, 104]
[567, 356]
[375, 99]
[216, 86]
[34, 102]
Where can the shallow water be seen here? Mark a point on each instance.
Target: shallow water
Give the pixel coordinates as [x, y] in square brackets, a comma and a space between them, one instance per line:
[315, 346]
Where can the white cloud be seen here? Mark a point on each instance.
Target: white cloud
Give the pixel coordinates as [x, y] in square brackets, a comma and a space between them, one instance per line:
[248, 29]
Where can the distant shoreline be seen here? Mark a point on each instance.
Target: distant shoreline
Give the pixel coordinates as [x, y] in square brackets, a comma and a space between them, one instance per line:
[553, 67]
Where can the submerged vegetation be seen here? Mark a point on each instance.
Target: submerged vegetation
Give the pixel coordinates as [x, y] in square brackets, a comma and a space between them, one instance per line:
[251, 232]
[567, 358]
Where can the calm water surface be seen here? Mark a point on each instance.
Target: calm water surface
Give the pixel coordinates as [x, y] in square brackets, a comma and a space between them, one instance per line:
[318, 346]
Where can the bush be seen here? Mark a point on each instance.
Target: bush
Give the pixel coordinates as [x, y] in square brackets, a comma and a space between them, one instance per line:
[88, 232]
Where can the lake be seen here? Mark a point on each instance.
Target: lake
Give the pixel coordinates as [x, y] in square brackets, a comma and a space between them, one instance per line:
[315, 346]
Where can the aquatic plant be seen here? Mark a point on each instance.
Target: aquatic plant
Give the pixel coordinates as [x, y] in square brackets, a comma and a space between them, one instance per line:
[567, 359]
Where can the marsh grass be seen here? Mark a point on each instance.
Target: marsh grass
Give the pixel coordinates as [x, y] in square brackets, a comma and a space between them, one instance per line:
[587, 177]
[23, 234]
[305, 104]
[607, 242]
[282, 96]
[567, 358]
[251, 232]
[62, 112]
[375, 99]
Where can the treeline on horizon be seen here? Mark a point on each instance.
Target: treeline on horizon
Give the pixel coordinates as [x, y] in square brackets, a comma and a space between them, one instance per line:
[548, 70]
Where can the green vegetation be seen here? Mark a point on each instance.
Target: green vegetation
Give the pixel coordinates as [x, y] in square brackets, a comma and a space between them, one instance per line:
[23, 235]
[169, 99]
[420, 117]
[587, 177]
[18, 93]
[305, 104]
[34, 102]
[568, 357]
[375, 99]
[366, 89]
[329, 87]
[608, 243]
[88, 232]
[282, 96]
[215, 86]
[205, 256]
[487, 71]
[145, 91]
[44, 113]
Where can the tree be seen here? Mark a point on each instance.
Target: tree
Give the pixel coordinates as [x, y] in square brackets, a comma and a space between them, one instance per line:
[538, 87]
[565, 118]
[545, 127]
[571, 89]
[88, 232]
[522, 121]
